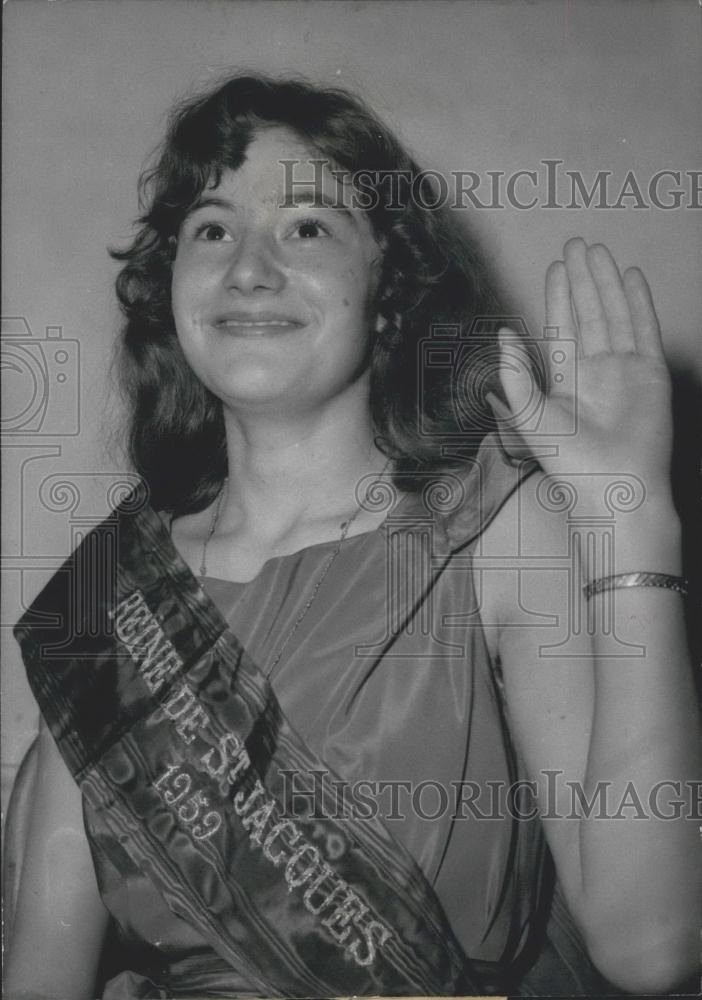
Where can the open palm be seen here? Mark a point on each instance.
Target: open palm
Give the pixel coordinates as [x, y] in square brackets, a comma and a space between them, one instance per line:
[616, 396]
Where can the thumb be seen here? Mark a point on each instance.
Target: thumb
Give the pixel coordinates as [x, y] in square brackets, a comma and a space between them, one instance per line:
[518, 381]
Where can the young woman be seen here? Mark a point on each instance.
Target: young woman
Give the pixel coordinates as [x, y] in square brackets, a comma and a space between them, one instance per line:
[380, 701]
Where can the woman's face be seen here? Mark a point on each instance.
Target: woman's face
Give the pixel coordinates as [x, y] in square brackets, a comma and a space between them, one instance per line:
[273, 303]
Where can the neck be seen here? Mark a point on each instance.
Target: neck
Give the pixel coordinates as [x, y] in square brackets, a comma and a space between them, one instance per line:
[283, 470]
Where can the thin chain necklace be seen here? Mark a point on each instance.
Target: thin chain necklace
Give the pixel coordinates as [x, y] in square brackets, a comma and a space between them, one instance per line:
[211, 531]
[345, 527]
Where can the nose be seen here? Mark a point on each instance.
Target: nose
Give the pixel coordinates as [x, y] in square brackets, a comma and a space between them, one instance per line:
[253, 266]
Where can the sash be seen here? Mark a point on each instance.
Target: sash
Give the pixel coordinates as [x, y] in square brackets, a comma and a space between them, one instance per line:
[177, 740]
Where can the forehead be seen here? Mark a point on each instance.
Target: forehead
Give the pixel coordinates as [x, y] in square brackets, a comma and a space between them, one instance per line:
[280, 168]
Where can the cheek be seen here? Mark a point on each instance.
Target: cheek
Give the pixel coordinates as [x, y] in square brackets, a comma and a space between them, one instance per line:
[355, 291]
[180, 294]
[189, 283]
[181, 318]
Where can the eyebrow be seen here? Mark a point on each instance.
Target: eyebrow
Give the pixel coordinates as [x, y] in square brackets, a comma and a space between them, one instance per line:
[316, 198]
[210, 201]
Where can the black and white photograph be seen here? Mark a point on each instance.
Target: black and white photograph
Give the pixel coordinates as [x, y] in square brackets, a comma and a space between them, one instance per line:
[352, 409]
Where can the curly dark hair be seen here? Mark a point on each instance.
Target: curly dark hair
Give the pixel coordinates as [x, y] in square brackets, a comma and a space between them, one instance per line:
[430, 276]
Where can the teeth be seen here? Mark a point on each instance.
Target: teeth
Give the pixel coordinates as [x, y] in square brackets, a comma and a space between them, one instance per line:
[271, 322]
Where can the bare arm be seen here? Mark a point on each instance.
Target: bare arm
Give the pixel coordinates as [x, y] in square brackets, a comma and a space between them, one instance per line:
[60, 921]
[609, 731]
[601, 738]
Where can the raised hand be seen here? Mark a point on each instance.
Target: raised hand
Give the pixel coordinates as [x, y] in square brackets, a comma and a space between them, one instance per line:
[617, 394]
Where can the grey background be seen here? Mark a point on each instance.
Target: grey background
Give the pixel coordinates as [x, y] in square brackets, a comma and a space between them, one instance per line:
[468, 85]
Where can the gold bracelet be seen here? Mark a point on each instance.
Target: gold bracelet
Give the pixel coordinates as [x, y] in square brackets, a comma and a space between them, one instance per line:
[676, 583]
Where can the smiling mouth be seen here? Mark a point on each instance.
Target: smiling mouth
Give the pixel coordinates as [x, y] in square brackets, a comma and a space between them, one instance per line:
[263, 323]
[240, 320]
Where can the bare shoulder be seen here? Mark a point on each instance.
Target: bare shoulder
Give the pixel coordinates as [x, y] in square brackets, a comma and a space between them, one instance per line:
[58, 912]
[525, 549]
[531, 609]
[530, 516]
[57, 793]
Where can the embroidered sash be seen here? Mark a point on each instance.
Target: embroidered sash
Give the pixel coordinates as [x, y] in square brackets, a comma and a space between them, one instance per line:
[177, 739]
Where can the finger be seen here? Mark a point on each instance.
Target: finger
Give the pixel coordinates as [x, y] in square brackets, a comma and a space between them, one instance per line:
[647, 331]
[614, 302]
[587, 305]
[510, 438]
[518, 382]
[559, 312]
[560, 344]
[500, 409]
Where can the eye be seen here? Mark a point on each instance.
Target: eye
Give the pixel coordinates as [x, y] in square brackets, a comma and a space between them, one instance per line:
[212, 232]
[310, 229]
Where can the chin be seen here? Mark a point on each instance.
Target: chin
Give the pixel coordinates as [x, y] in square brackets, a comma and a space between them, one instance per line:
[254, 394]
[246, 382]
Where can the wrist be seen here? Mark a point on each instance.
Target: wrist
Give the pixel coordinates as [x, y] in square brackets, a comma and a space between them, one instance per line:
[628, 581]
[646, 540]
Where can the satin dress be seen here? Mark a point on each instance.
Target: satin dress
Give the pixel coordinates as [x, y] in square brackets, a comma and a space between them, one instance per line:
[388, 679]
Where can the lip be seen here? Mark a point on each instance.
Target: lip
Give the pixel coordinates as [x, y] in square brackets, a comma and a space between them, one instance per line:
[239, 320]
